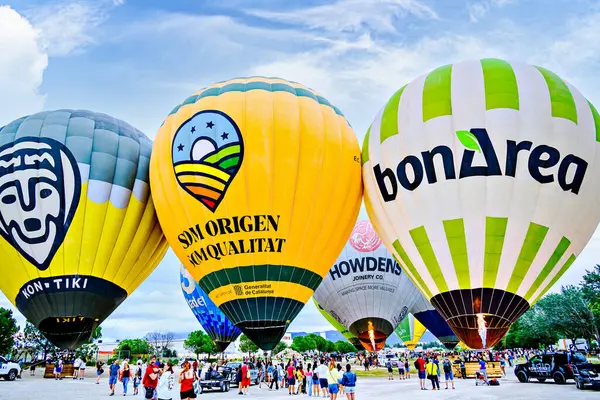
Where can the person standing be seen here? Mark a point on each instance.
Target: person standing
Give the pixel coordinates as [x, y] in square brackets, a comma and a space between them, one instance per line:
[125, 376]
[406, 369]
[433, 372]
[503, 366]
[76, 366]
[290, 378]
[309, 379]
[349, 382]
[275, 378]
[420, 366]
[137, 377]
[270, 374]
[333, 378]
[82, 368]
[245, 377]
[322, 372]
[299, 375]
[483, 370]
[186, 382]
[388, 364]
[58, 369]
[150, 379]
[448, 375]
[166, 382]
[113, 376]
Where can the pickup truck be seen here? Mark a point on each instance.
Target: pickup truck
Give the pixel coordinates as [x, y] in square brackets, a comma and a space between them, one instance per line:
[233, 367]
[214, 380]
[9, 370]
[558, 366]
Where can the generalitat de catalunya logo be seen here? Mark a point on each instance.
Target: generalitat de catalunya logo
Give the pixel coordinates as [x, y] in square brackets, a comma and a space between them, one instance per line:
[207, 153]
[40, 185]
[538, 157]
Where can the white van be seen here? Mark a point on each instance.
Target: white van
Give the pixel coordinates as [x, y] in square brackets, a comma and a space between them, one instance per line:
[9, 370]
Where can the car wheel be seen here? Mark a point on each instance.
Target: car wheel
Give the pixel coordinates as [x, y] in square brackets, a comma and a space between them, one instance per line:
[559, 378]
[12, 375]
[579, 385]
[227, 387]
[522, 377]
[541, 380]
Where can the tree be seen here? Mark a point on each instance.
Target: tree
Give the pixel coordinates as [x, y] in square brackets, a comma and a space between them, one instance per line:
[320, 342]
[199, 342]
[35, 342]
[342, 346]
[573, 317]
[281, 346]
[304, 343]
[590, 286]
[160, 341]
[8, 328]
[329, 346]
[135, 346]
[247, 345]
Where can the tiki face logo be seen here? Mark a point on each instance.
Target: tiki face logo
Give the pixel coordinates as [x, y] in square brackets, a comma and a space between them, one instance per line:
[40, 187]
[364, 238]
[207, 154]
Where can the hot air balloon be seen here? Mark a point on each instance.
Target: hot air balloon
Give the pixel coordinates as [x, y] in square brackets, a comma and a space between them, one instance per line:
[258, 186]
[78, 228]
[214, 322]
[482, 180]
[410, 331]
[426, 314]
[339, 327]
[366, 290]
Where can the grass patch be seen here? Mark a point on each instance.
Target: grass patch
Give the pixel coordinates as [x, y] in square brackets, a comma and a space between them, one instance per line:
[373, 372]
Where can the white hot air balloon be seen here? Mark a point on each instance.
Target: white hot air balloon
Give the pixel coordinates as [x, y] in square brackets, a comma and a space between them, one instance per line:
[483, 179]
[366, 290]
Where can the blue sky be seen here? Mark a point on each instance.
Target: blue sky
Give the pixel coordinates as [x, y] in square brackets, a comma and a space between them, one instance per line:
[137, 59]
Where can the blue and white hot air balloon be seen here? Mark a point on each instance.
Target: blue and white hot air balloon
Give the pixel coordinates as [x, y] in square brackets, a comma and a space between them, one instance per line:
[214, 322]
[431, 319]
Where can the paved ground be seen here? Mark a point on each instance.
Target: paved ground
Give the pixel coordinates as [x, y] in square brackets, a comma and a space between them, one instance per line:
[30, 388]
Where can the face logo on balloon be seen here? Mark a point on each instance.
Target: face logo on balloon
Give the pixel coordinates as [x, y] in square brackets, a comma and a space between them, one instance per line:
[40, 187]
[364, 238]
[207, 153]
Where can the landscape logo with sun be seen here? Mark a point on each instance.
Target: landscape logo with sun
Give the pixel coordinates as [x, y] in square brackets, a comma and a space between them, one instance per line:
[207, 154]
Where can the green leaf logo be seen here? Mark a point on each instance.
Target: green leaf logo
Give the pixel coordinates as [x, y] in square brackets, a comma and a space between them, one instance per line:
[468, 140]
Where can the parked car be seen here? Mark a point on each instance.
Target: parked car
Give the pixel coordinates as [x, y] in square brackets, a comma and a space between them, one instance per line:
[587, 375]
[392, 358]
[9, 370]
[233, 367]
[216, 380]
[556, 366]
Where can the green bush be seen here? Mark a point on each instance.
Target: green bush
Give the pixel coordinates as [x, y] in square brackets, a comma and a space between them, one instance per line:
[90, 363]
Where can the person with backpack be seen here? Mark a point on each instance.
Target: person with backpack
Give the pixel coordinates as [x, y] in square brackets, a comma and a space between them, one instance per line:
[388, 364]
[433, 372]
[448, 375]
[420, 367]
[406, 369]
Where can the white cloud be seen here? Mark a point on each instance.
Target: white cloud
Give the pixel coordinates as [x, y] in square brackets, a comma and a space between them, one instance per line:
[66, 27]
[351, 15]
[480, 9]
[22, 66]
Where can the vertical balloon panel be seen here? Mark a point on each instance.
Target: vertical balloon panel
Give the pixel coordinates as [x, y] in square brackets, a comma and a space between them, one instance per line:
[78, 224]
[259, 187]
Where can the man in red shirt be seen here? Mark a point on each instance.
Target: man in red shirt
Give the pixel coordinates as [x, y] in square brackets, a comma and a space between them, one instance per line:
[291, 379]
[150, 380]
[245, 378]
[420, 364]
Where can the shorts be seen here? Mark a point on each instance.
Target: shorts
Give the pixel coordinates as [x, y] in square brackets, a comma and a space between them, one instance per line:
[390, 370]
[291, 381]
[449, 376]
[270, 375]
[323, 383]
[422, 375]
[350, 389]
[407, 370]
[334, 389]
[82, 368]
[99, 373]
[188, 394]
[401, 371]
[112, 380]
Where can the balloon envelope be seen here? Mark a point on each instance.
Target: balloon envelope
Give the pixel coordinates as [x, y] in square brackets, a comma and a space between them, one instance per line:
[78, 228]
[366, 290]
[410, 331]
[258, 186]
[214, 322]
[433, 321]
[483, 179]
[339, 327]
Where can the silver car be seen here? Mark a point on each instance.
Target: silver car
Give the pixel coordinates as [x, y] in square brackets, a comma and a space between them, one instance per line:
[235, 365]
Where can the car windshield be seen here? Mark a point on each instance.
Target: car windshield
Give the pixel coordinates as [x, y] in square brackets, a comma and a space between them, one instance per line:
[2, 359]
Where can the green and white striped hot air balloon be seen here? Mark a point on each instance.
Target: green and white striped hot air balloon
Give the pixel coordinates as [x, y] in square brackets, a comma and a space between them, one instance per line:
[483, 179]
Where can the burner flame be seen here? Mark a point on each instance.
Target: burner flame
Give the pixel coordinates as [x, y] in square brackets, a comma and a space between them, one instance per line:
[482, 328]
[372, 335]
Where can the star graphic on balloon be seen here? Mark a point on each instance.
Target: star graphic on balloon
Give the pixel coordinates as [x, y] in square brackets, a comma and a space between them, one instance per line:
[180, 147]
[193, 129]
[225, 135]
[210, 124]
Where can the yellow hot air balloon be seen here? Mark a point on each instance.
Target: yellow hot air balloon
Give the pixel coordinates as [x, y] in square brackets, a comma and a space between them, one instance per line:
[257, 186]
[78, 230]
